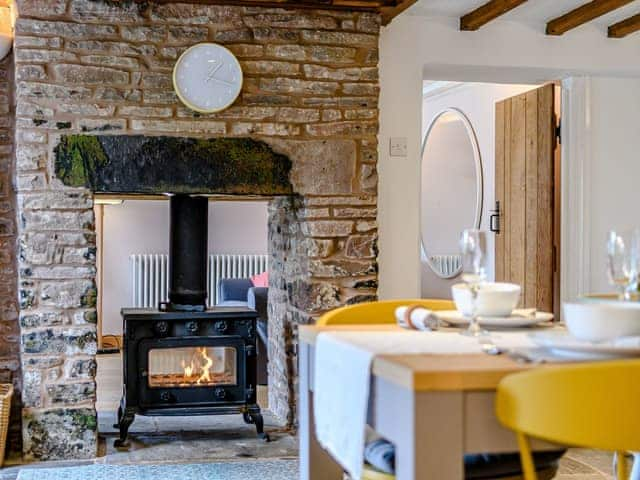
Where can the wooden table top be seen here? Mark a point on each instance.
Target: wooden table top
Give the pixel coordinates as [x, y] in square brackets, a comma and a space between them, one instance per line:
[430, 372]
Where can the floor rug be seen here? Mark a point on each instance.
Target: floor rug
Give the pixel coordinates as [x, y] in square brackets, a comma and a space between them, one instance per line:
[261, 470]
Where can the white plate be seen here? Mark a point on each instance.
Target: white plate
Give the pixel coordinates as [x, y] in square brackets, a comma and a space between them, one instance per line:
[519, 318]
[564, 344]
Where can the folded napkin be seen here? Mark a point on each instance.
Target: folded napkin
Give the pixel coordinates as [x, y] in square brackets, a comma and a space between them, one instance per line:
[381, 455]
[416, 317]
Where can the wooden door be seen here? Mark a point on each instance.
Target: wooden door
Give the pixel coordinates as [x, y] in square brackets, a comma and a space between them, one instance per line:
[524, 186]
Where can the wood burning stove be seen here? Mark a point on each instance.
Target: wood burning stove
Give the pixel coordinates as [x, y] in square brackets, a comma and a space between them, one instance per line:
[182, 359]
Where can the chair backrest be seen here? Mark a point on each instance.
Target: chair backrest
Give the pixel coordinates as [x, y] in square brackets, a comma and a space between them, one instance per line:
[589, 405]
[378, 312]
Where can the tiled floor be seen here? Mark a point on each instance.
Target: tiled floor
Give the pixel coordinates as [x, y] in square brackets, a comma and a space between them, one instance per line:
[227, 438]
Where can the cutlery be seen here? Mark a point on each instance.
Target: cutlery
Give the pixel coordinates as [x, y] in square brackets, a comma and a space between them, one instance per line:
[492, 349]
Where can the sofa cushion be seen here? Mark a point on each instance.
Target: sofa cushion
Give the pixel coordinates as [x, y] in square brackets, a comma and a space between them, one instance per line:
[233, 289]
[258, 299]
[260, 280]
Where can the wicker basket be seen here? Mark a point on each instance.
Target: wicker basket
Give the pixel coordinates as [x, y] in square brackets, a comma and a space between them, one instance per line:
[6, 392]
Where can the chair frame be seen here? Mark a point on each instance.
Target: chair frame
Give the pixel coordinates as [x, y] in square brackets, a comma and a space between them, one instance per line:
[585, 405]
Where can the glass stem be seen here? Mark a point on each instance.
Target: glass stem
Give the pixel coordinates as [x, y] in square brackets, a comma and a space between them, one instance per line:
[473, 323]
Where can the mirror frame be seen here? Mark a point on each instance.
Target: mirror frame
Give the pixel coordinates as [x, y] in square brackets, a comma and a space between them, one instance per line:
[479, 181]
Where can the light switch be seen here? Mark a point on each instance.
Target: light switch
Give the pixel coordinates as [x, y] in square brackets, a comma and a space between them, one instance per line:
[398, 146]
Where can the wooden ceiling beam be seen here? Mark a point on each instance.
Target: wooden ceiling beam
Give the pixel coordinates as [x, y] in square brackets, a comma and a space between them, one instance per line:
[357, 5]
[625, 27]
[487, 12]
[388, 9]
[583, 14]
[391, 12]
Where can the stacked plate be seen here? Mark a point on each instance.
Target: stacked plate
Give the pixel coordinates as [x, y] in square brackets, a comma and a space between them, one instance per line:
[495, 307]
[517, 319]
[563, 344]
[597, 328]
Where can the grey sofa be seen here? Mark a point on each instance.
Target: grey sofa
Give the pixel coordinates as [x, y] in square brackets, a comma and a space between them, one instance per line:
[240, 292]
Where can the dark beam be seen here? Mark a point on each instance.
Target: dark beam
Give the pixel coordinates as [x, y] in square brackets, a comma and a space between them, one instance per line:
[388, 9]
[391, 12]
[355, 5]
[625, 27]
[487, 12]
[583, 14]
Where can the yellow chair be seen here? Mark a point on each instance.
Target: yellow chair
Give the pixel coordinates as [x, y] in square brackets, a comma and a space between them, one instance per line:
[377, 313]
[589, 405]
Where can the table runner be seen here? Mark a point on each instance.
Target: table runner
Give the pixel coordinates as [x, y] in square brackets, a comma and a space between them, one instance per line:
[343, 373]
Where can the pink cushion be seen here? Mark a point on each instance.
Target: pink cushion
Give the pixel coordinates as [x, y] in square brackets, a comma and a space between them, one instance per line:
[260, 280]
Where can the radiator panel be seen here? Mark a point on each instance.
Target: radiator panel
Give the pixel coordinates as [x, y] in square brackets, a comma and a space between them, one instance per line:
[150, 275]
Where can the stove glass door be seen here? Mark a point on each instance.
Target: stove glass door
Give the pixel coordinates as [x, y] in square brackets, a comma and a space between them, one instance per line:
[197, 366]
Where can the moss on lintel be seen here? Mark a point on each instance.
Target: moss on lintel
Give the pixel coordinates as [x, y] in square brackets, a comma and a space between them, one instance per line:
[151, 165]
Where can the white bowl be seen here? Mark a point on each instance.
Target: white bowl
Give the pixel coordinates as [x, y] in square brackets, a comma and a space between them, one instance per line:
[494, 299]
[599, 321]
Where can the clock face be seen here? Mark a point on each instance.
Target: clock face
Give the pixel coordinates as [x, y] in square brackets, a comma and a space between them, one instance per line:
[207, 78]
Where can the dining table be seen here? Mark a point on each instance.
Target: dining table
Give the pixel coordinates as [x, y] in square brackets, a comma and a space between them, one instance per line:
[434, 407]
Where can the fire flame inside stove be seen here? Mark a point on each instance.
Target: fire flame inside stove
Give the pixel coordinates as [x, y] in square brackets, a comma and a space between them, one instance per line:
[198, 370]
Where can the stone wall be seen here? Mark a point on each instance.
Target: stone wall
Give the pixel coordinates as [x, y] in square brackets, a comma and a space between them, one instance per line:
[9, 328]
[94, 67]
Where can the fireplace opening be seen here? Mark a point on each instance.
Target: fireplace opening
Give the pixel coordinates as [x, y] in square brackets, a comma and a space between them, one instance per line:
[189, 338]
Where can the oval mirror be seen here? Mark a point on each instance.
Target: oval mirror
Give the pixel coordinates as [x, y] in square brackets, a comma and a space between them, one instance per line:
[451, 186]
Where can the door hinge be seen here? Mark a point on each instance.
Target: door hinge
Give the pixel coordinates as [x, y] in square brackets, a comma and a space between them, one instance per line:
[558, 131]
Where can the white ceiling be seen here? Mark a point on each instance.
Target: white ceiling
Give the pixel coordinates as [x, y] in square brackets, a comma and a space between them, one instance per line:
[536, 12]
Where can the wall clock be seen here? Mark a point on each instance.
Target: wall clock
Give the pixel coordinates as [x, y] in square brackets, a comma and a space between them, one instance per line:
[207, 78]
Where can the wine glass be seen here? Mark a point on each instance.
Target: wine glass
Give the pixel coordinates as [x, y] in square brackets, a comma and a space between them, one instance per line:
[473, 245]
[623, 261]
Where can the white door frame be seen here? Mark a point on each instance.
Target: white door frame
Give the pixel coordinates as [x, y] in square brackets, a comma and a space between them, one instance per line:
[576, 158]
[575, 166]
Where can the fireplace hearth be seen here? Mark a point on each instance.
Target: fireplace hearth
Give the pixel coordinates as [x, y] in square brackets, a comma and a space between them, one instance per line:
[182, 359]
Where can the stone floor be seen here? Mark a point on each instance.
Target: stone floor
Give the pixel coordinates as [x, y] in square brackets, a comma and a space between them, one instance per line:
[183, 439]
[227, 438]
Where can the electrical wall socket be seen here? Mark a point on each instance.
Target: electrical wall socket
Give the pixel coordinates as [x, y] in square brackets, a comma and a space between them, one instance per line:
[398, 146]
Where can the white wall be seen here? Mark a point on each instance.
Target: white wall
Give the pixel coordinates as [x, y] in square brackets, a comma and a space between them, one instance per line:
[614, 188]
[413, 48]
[477, 101]
[142, 226]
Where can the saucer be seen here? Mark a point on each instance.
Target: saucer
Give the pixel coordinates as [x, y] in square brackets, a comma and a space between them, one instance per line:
[564, 344]
[518, 318]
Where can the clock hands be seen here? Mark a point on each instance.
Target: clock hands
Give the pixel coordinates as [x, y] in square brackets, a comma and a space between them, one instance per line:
[217, 65]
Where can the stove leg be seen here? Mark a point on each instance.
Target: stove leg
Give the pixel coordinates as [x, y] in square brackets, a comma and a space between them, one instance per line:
[257, 419]
[125, 419]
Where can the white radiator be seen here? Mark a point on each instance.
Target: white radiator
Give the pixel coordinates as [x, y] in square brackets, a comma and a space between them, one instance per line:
[446, 264]
[150, 275]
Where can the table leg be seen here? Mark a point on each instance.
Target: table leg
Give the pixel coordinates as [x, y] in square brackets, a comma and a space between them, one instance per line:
[426, 428]
[315, 462]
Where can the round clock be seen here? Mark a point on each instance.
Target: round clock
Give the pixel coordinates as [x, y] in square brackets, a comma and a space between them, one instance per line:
[207, 78]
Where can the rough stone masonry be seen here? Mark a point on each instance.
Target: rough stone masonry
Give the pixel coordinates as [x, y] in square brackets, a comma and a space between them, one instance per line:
[97, 67]
[9, 329]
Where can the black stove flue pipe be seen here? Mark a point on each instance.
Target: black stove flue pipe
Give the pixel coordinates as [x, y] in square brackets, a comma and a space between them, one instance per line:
[188, 253]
